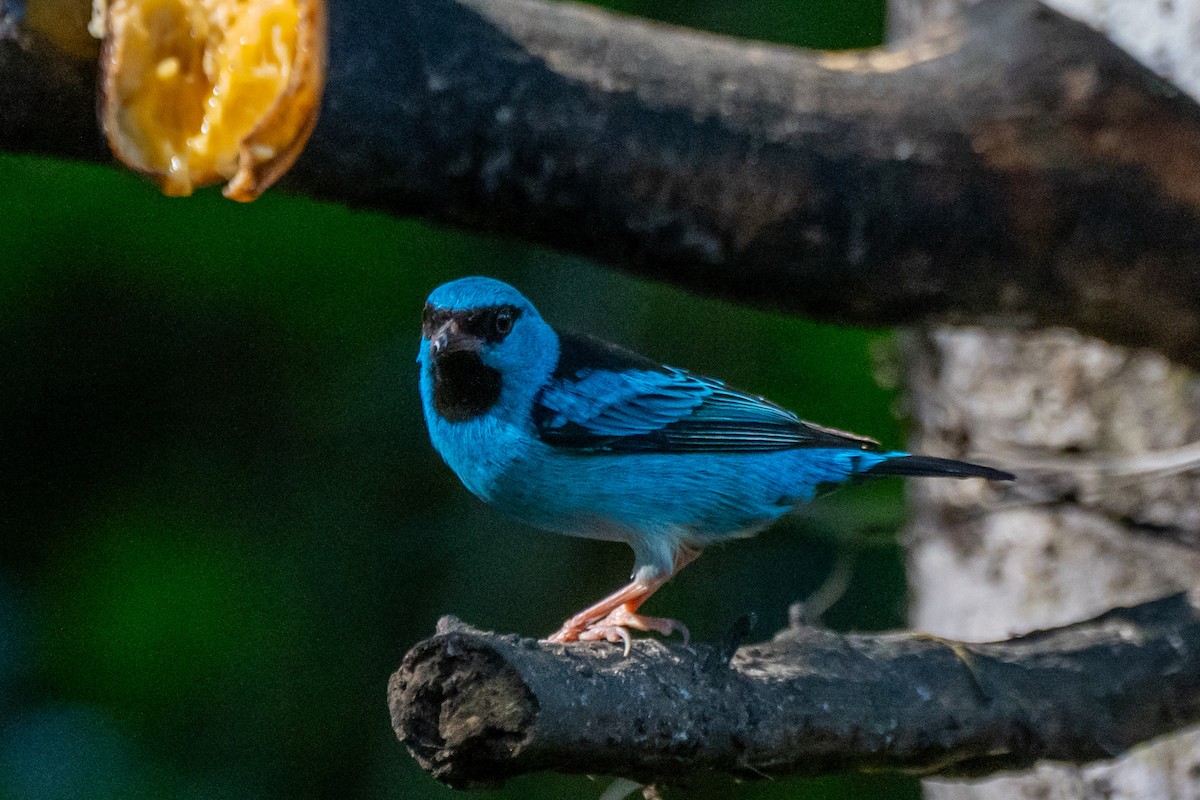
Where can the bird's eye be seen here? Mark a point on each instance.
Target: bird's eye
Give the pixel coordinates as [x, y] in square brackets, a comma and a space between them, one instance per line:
[503, 322]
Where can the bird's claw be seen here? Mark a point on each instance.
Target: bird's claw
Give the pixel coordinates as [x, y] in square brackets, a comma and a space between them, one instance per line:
[610, 633]
[615, 628]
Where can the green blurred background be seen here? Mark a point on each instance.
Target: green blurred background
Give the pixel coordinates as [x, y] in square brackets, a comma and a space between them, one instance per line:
[222, 522]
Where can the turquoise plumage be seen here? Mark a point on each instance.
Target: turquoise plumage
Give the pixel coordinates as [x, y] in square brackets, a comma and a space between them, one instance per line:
[581, 437]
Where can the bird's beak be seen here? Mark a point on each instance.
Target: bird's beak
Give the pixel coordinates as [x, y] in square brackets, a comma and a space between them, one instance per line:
[451, 339]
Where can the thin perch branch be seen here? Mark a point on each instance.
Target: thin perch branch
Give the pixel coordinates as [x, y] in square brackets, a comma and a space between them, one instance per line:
[476, 708]
[1010, 166]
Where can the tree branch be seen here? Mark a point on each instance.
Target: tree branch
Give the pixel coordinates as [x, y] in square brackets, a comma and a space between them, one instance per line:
[476, 708]
[1012, 165]
[47, 93]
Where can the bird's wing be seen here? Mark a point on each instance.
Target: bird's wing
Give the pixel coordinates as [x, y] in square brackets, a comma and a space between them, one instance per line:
[602, 398]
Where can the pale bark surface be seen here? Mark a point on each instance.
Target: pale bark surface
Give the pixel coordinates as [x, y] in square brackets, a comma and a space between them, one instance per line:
[1100, 526]
[1080, 534]
[1162, 34]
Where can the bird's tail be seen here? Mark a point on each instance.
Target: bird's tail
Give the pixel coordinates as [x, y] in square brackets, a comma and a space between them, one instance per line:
[929, 466]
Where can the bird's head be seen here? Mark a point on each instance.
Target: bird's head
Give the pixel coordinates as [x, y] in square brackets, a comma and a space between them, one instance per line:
[480, 336]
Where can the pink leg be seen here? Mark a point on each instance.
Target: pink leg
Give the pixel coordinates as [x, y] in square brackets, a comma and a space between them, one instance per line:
[611, 618]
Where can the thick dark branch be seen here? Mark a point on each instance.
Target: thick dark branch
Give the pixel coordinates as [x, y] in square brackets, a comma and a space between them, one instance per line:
[1012, 165]
[477, 707]
[47, 94]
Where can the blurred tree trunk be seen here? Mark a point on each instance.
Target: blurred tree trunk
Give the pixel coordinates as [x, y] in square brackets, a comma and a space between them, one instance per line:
[1100, 526]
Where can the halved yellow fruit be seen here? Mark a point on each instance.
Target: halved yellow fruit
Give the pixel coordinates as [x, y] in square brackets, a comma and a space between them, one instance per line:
[196, 92]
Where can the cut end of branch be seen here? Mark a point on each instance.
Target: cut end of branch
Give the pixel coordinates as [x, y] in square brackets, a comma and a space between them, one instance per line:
[458, 705]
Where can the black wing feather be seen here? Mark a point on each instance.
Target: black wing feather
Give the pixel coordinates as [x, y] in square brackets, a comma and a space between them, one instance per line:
[603, 398]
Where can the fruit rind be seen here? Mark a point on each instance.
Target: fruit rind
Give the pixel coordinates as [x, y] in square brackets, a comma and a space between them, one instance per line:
[196, 92]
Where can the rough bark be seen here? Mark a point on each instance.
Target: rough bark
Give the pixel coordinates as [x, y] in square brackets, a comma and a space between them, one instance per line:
[1163, 35]
[47, 92]
[1008, 165]
[475, 707]
[1110, 515]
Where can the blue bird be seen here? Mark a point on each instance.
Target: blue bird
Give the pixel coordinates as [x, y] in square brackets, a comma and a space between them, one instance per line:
[574, 435]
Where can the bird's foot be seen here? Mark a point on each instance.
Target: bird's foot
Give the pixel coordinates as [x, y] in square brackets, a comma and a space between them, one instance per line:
[615, 628]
